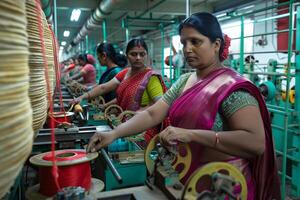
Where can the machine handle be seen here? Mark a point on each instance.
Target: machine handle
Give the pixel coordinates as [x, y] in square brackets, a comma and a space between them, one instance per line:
[111, 166]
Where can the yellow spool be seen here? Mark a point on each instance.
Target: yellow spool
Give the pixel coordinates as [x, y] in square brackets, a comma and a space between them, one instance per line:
[190, 191]
[185, 160]
[292, 96]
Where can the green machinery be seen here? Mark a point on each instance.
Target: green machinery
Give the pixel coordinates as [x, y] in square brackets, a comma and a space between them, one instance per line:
[280, 84]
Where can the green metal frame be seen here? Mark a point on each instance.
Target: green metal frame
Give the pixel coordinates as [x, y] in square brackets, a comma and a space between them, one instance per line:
[286, 116]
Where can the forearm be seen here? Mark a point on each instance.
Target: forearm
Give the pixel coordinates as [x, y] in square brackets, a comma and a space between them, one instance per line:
[96, 91]
[139, 123]
[237, 143]
[76, 76]
[114, 101]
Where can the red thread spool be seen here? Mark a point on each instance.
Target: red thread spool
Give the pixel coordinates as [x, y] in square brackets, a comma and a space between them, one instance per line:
[60, 117]
[73, 169]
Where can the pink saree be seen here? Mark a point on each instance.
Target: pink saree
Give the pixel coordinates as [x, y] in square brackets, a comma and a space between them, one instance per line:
[206, 98]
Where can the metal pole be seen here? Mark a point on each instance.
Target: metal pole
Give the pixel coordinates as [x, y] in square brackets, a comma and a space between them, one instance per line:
[187, 8]
[86, 43]
[297, 65]
[170, 60]
[104, 30]
[242, 46]
[55, 17]
[290, 44]
[162, 49]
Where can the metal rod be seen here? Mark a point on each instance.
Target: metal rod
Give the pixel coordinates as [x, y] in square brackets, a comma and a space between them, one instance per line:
[111, 166]
[151, 20]
[287, 177]
[86, 43]
[162, 31]
[269, 73]
[297, 66]
[286, 121]
[242, 46]
[260, 34]
[187, 8]
[55, 17]
[262, 52]
[104, 30]
[288, 156]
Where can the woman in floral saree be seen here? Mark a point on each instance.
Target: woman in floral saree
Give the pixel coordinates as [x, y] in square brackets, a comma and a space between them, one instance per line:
[219, 113]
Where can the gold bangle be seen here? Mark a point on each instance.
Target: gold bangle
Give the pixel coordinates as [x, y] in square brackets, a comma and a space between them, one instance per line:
[217, 139]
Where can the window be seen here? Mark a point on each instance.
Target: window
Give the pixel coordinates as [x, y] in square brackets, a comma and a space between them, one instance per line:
[233, 30]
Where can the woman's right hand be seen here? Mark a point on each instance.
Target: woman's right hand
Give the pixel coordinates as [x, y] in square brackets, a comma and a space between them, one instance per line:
[76, 100]
[100, 140]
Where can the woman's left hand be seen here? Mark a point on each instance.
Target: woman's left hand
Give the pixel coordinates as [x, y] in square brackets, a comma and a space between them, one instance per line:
[171, 135]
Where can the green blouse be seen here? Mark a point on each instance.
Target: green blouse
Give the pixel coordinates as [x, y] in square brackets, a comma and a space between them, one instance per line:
[235, 101]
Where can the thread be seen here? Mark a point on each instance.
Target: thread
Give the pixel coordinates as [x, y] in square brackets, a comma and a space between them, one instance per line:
[71, 171]
[41, 32]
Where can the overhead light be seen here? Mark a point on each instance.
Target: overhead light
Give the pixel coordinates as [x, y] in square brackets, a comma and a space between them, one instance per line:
[66, 33]
[75, 15]
[63, 43]
[221, 15]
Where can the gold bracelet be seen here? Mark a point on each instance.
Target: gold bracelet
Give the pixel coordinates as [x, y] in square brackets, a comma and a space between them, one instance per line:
[217, 139]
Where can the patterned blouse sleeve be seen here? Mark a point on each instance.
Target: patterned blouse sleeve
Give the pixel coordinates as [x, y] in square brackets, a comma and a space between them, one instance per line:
[235, 101]
[176, 89]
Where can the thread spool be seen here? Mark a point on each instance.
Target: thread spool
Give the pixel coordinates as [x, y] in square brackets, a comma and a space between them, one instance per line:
[16, 134]
[73, 169]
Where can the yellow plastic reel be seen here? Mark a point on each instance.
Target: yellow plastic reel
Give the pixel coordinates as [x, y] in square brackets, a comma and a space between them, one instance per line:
[112, 110]
[190, 192]
[126, 115]
[185, 160]
[98, 101]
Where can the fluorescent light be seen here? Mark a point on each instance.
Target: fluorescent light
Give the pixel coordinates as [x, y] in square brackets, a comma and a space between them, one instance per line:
[66, 33]
[75, 15]
[63, 43]
[121, 52]
[273, 17]
[221, 15]
[246, 7]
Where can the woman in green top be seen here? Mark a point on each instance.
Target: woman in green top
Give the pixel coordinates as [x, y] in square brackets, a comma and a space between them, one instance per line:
[114, 62]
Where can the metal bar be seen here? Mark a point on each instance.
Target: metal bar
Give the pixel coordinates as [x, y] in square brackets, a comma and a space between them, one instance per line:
[269, 73]
[287, 177]
[290, 44]
[162, 31]
[288, 156]
[261, 10]
[111, 166]
[269, 33]
[263, 52]
[242, 46]
[86, 43]
[104, 30]
[187, 8]
[278, 111]
[297, 66]
[151, 19]
[55, 17]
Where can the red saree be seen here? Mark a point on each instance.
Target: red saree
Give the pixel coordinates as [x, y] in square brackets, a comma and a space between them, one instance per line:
[130, 92]
[206, 98]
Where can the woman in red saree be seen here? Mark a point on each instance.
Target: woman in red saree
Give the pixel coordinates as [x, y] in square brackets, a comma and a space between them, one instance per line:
[219, 113]
[137, 86]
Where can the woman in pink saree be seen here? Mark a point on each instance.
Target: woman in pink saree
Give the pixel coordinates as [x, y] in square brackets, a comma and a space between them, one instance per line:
[219, 113]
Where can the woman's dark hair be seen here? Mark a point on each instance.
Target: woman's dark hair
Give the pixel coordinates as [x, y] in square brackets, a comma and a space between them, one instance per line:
[83, 57]
[110, 51]
[206, 24]
[136, 42]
